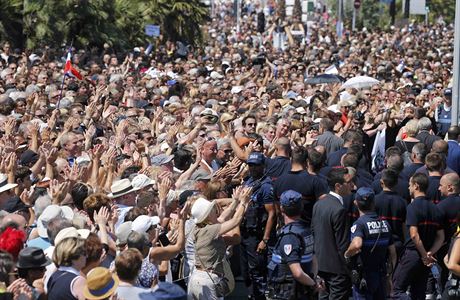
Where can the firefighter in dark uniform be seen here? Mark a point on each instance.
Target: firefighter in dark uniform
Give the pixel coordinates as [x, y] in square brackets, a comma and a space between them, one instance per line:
[293, 267]
[371, 242]
[257, 227]
[426, 236]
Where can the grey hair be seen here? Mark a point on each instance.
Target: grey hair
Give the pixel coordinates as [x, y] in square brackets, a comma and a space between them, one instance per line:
[424, 124]
[221, 142]
[41, 203]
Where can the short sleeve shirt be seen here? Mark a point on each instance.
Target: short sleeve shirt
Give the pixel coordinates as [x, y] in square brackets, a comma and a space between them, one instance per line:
[209, 247]
[423, 214]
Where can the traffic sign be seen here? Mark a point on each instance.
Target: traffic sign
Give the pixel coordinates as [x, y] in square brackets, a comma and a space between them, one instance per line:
[152, 30]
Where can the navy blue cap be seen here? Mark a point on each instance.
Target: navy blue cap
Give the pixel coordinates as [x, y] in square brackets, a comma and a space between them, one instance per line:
[448, 92]
[170, 291]
[256, 158]
[290, 197]
[364, 193]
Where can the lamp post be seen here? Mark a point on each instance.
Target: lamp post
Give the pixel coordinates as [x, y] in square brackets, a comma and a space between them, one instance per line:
[455, 86]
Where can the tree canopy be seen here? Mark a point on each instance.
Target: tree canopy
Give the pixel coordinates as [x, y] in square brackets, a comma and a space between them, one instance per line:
[36, 23]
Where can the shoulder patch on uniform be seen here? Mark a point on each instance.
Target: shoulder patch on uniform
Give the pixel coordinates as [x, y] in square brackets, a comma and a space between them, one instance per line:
[353, 229]
[287, 249]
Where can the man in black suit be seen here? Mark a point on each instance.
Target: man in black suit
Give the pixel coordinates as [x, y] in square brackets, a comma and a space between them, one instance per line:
[330, 230]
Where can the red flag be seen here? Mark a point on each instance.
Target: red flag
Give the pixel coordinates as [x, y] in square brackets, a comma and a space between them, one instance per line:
[69, 70]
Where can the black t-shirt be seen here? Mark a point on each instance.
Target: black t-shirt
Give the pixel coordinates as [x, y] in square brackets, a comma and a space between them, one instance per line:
[410, 170]
[275, 167]
[311, 187]
[433, 192]
[449, 207]
[392, 207]
[423, 214]
[402, 187]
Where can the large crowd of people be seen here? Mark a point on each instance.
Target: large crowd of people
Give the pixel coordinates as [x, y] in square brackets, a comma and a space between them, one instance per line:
[171, 170]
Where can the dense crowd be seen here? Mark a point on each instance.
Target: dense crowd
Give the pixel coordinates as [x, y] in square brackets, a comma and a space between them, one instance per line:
[169, 171]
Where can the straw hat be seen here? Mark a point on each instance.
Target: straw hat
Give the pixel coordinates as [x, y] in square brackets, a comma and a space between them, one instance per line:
[100, 284]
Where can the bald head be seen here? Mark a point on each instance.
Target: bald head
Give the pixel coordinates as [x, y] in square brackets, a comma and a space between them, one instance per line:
[283, 146]
[453, 133]
[441, 147]
[449, 184]
[395, 162]
[321, 149]
[14, 220]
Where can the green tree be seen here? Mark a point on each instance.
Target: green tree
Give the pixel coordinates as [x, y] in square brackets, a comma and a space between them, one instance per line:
[93, 22]
[444, 8]
[11, 22]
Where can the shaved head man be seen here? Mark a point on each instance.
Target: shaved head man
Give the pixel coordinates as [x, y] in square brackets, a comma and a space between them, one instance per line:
[449, 184]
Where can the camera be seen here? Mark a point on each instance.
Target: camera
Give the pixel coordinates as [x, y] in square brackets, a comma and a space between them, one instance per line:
[453, 288]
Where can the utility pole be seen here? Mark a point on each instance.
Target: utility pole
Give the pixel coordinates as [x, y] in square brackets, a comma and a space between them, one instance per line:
[356, 6]
[238, 15]
[455, 87]
[339, 20]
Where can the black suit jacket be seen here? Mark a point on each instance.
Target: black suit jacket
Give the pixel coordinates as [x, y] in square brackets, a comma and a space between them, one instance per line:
[331, 233]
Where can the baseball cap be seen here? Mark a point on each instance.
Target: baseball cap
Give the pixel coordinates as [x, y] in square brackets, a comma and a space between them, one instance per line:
[200, 175]
[143, 223]
[364, 194]
[161, 159]
[256, 158]
[290, 197]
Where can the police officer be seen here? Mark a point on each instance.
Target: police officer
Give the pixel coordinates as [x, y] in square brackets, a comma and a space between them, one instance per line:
[257, 227]
[371, 241]
[293, 267]
[443, 113]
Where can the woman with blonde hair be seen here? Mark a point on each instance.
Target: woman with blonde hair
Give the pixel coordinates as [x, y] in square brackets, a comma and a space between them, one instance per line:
[408, 137]
[69, 256]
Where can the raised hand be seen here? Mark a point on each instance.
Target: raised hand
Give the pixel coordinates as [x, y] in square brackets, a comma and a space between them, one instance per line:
[11, 162]
[245, 195]
[10, 126]
[58, 191]
[71, 173]
[34, 129]
[102, 217]
[25, 197]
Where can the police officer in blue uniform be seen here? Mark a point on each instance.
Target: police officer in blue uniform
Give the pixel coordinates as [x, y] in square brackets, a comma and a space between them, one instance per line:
[371, 242]
[444, 114]
[257, 227]
[293, 267]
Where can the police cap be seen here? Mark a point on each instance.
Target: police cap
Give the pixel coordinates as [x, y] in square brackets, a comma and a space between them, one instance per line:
[256, 158]
[290, 197]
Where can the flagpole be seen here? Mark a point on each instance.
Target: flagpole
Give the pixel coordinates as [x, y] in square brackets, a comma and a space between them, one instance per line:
[60, 94]
[63, 78]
